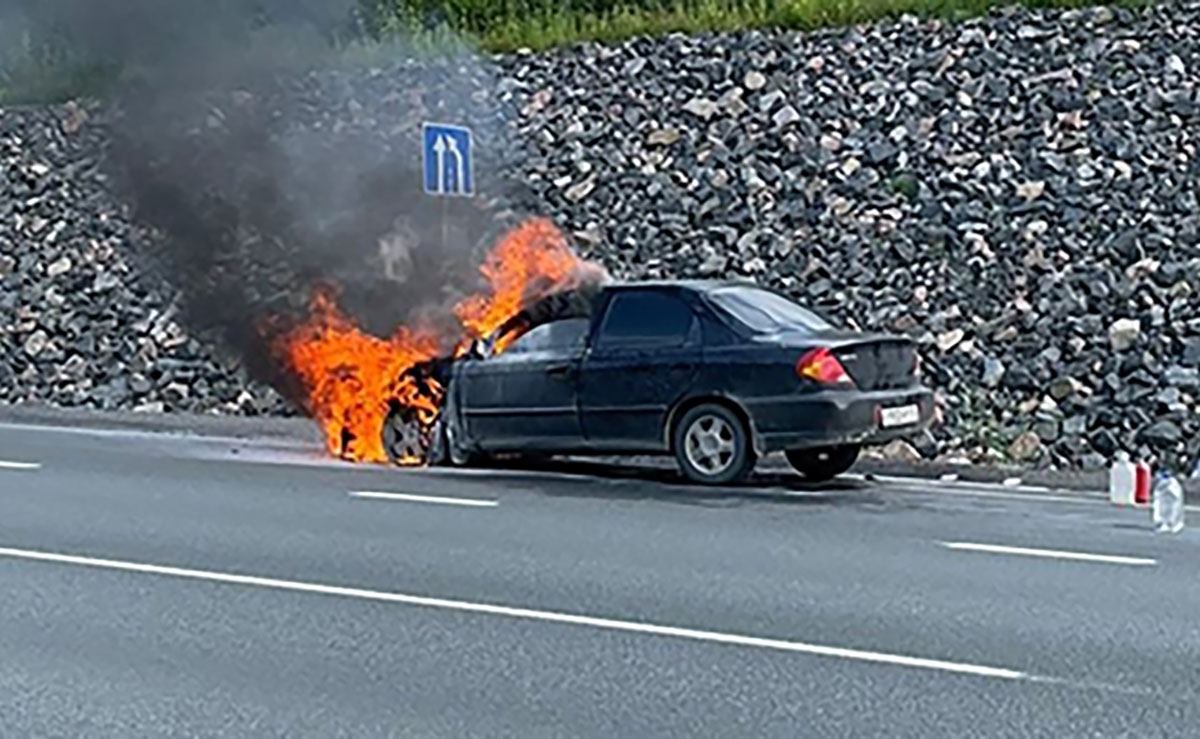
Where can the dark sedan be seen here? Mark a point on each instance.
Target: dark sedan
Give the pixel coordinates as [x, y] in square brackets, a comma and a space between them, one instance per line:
[715, 373]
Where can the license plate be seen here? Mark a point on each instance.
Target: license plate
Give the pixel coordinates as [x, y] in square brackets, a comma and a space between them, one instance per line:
[902, 416]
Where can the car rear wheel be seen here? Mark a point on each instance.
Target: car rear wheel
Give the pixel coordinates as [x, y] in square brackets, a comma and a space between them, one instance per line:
[712, 445]
[823, 463]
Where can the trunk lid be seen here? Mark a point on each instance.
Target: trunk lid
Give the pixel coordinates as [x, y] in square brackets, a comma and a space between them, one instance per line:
[873, 361]
[879, 362]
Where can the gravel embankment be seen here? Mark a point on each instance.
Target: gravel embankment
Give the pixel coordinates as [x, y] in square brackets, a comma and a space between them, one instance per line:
[1020, 193]
[82, 321]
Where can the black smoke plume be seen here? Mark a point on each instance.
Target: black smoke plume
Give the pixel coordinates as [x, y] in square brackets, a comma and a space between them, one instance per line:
[269, 148]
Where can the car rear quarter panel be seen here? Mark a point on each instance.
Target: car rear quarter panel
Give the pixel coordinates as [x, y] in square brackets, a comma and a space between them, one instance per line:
[786, 411]
[748, 376]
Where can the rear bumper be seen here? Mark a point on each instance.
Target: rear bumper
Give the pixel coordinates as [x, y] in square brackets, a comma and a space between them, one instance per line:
[834, 417]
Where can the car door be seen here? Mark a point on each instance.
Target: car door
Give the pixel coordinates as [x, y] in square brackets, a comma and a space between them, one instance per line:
[527, 397]
[643, 359]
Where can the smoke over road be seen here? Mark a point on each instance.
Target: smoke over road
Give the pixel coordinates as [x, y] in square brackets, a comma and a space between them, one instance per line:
[269, 153]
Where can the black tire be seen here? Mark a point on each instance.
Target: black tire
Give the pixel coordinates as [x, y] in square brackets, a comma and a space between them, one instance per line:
[712, 445]
[823, 463]
[405, 440]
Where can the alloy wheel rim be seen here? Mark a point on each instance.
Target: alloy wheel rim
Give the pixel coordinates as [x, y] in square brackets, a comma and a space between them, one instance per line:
[709, 444]
[406, 441]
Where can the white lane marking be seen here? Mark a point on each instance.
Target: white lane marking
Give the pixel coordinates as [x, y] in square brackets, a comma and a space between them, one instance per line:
[1050, 553]
[268, 439]
[952, 483]
[960, 489]
[529, 614]
[409, 498]
[940, 487]
[4, 465]
[1005, 496]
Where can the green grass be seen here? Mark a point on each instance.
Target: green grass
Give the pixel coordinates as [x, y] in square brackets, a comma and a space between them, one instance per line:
[37, 70]
[508, 25]
[40, 83]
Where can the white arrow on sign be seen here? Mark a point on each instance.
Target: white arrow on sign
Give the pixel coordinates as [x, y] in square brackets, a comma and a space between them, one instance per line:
[459, 180]
[439, 147]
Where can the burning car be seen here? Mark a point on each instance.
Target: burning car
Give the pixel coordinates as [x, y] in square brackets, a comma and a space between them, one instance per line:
[715, 373]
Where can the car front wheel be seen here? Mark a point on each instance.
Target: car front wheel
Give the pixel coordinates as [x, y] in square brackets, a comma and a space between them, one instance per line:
[405, 440]
[712, 445]
[823, 463]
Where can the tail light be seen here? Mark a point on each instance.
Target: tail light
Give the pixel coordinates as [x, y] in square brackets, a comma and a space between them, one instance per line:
[821, 366]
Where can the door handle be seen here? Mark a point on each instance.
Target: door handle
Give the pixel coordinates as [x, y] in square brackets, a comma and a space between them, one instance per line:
[559, 370]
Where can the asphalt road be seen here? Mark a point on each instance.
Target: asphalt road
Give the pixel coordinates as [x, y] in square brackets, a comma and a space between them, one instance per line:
[159, 586]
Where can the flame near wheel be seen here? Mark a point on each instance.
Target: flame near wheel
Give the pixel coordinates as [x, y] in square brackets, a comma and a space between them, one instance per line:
[356, 383]
[406, 440]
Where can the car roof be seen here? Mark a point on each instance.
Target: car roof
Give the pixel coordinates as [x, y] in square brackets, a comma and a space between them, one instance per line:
[695, 285]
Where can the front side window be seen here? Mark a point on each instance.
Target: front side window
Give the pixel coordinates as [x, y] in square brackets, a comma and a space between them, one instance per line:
[766, 312]
[559, 337]
[646, 318]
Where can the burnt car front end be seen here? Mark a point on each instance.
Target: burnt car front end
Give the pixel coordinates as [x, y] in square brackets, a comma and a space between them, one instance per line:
[409, 429]
[416, 435]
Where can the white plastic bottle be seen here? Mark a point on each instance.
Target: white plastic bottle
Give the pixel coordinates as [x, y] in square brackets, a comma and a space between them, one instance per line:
[1166, 509]
[1121, 480]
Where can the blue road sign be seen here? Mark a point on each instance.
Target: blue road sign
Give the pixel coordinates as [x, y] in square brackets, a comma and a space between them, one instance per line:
[446, 154]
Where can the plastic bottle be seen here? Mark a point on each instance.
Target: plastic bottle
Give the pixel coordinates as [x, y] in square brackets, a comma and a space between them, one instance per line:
[1121, 480]
[1166, 511]
[1141, 487]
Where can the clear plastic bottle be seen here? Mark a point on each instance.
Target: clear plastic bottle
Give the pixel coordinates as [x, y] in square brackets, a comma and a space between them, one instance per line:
[1166, 509]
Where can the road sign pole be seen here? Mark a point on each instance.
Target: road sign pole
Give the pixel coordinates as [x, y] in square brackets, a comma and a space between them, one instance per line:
[444, 226]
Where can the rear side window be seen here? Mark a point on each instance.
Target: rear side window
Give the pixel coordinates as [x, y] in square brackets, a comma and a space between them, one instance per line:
[765, 311]
[646, 318]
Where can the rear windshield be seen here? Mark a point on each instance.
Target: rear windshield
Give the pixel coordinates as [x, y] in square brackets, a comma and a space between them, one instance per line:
[764, 311]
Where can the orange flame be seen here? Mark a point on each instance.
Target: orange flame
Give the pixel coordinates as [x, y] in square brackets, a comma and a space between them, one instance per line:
[531, 261]
[352, 378]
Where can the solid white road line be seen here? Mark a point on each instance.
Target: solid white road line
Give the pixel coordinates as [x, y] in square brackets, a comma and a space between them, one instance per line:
[164, 435]
[1007, 486]
[406, 497]
[966, 490]
[19, 465]
[950, 484]
[1050, 553]
[941, 487]
[529, 614]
